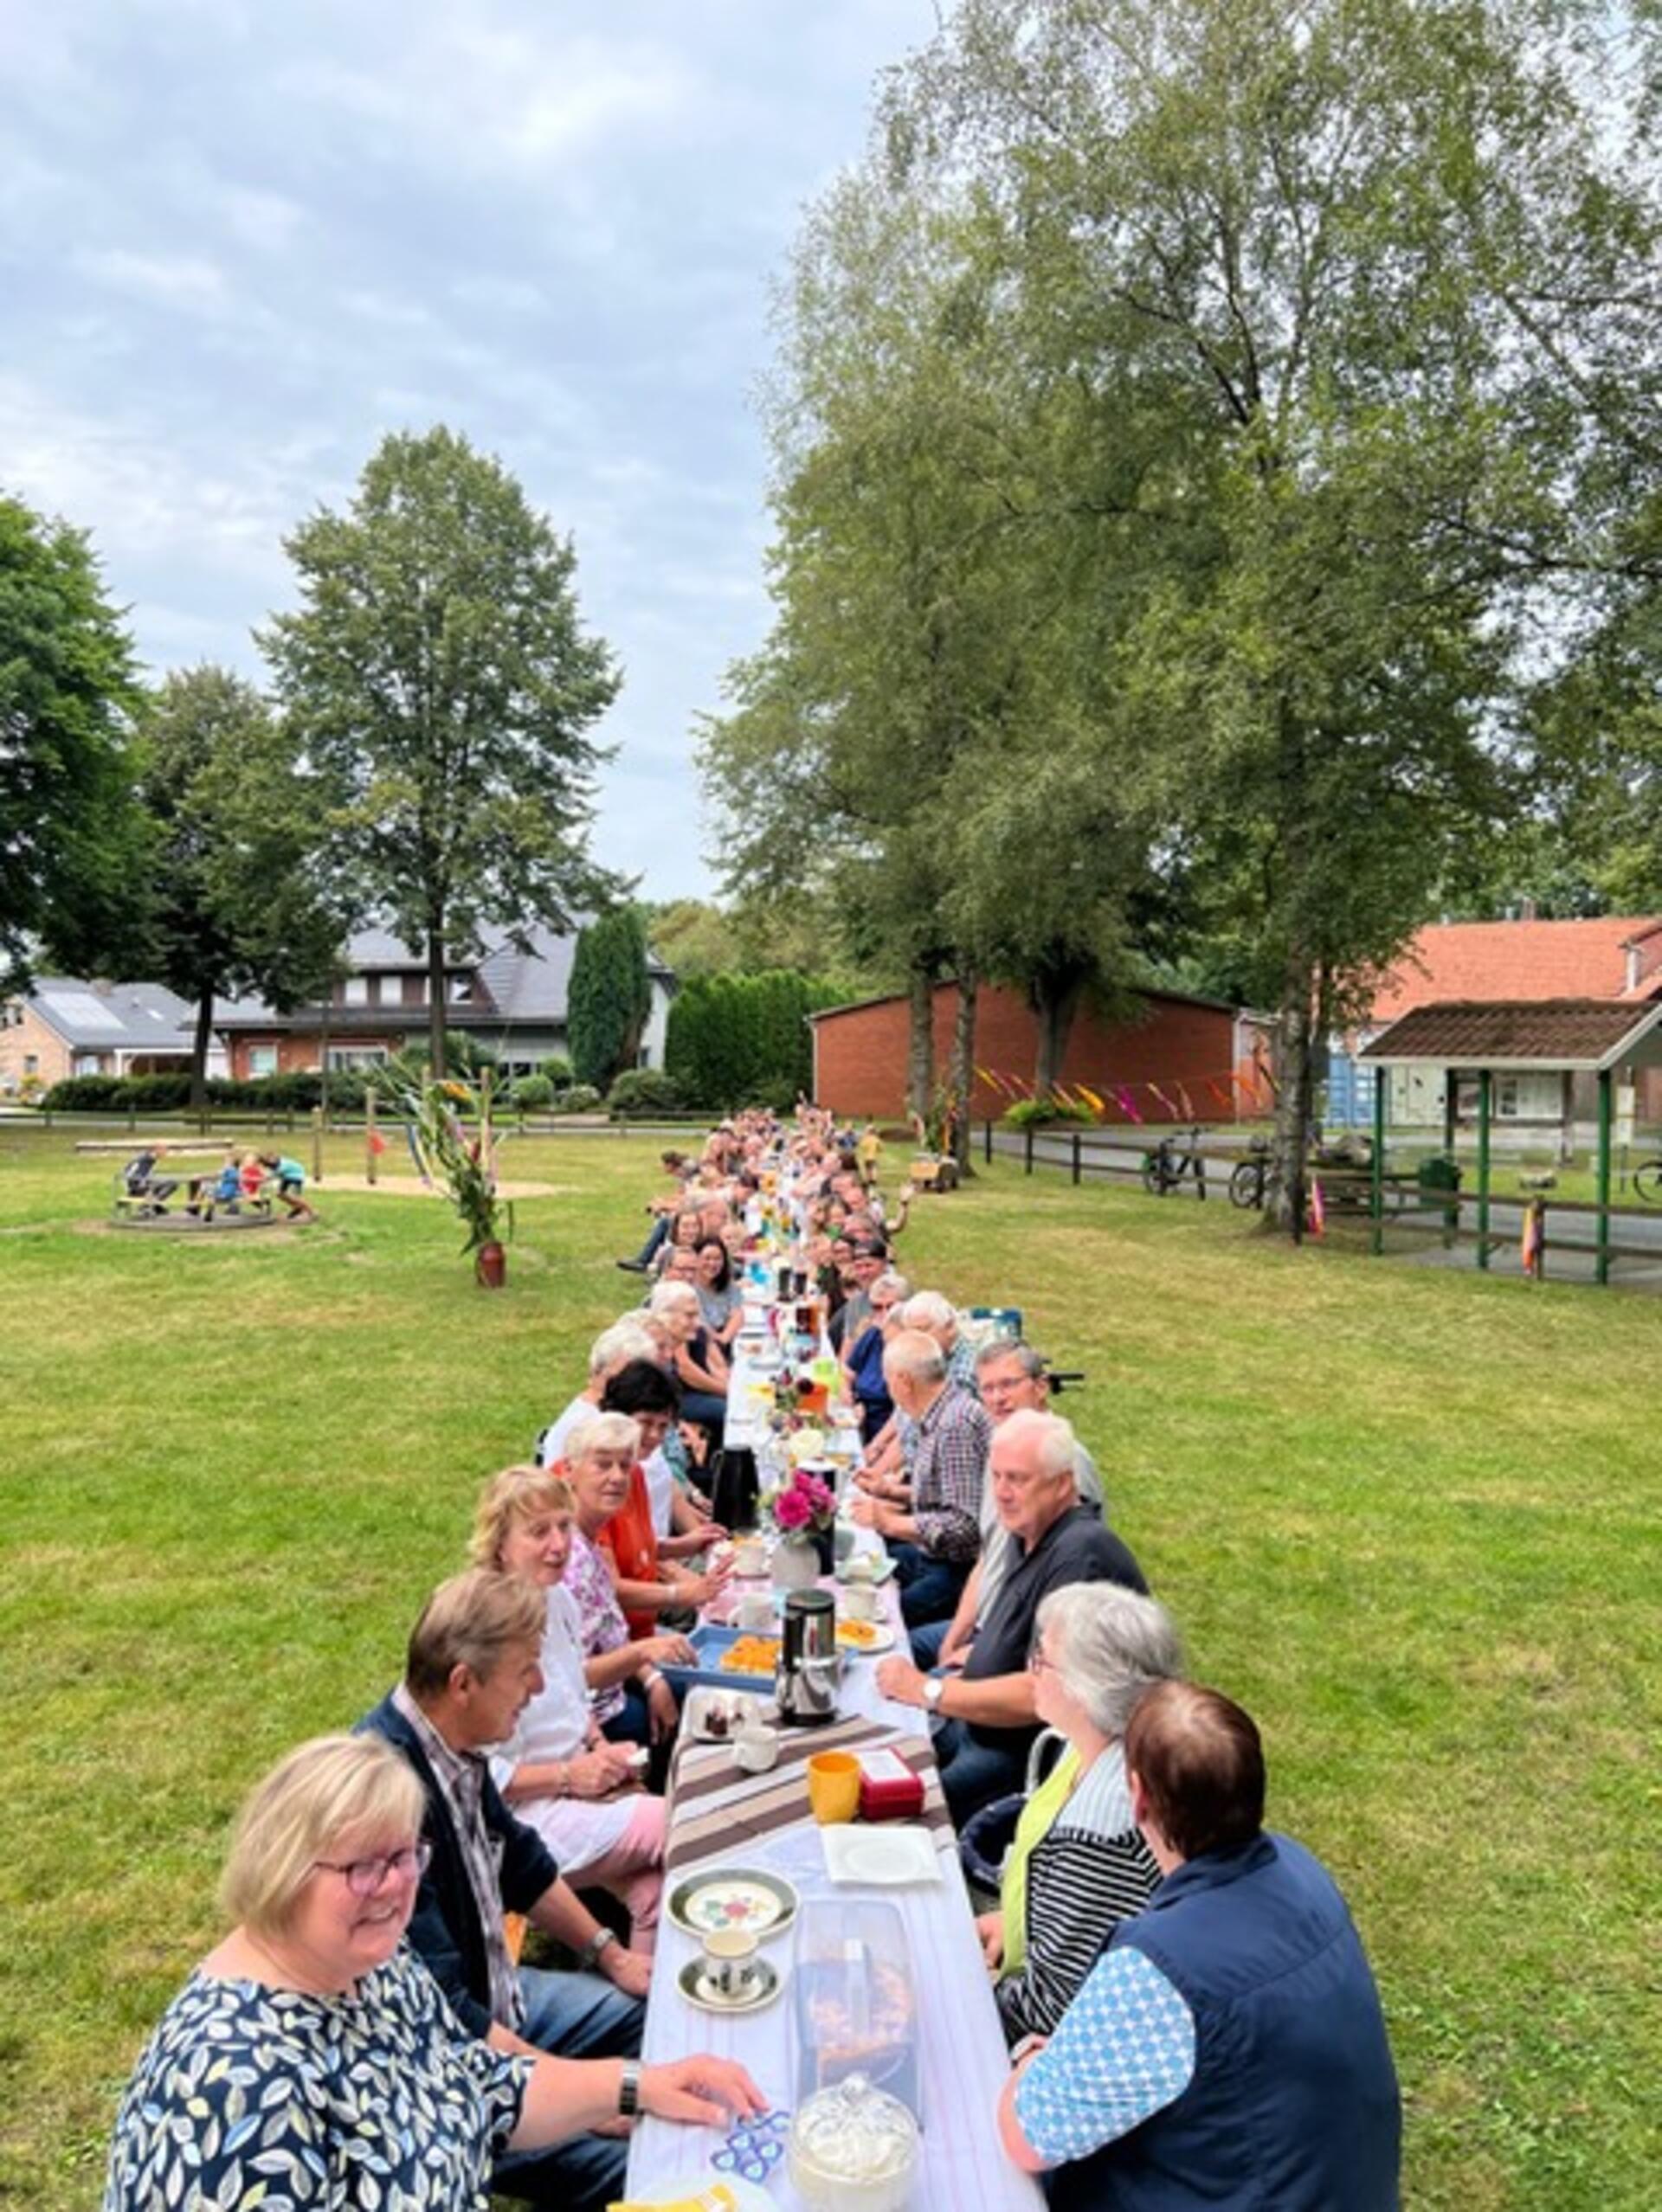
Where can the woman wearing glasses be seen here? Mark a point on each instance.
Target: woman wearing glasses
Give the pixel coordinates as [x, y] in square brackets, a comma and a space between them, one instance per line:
[1078, 1864]
[310, 2060]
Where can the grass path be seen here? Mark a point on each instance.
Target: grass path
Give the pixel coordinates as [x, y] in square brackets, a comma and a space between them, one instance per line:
[1410, 1519]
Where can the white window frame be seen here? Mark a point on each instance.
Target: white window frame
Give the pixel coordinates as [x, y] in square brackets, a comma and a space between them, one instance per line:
[263, 1061]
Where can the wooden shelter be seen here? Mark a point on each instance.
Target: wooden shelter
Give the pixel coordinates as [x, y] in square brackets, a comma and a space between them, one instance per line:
[1486, 1040]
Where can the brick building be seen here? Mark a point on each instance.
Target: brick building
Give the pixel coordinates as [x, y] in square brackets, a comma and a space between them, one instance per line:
[68, 1026]
[1202, 1055]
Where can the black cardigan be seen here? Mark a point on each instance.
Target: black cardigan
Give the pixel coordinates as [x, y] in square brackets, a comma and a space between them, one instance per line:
[445, 1928]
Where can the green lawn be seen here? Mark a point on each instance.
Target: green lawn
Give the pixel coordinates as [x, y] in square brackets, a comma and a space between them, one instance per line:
[1410, 1519]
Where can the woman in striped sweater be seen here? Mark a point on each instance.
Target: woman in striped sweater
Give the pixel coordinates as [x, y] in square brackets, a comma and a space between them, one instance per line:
[1077, 1865]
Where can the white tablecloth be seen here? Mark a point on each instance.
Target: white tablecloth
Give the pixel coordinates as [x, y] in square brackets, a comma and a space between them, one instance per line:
[964, 2060]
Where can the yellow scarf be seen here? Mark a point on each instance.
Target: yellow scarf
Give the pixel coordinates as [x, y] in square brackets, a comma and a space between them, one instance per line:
[1038, 1816]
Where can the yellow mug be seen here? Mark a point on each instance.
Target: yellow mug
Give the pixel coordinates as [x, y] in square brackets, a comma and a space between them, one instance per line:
[834, 1786]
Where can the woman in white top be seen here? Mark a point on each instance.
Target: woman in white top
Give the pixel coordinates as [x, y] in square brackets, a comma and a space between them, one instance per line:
[561, 1776]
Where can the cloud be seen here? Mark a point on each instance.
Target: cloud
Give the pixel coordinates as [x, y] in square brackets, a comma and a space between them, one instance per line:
[182, 280]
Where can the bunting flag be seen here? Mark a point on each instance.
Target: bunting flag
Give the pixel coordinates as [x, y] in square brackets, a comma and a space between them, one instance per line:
[1190, 1115]
[1531, 1247]
[1162, 1096]
[418, 1154]
[1093, 1102]
[994, 1082]
[377, 1142]
[1127, 1104]
[1318, 1209]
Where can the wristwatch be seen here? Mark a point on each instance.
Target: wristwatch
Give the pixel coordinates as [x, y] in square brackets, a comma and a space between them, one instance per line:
[934, 1691]
[628, 2089]
[602, 1939]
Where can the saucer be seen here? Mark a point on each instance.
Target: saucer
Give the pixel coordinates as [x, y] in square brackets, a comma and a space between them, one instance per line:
[698, 1987]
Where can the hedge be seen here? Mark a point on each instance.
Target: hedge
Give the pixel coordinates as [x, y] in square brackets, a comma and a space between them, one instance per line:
[166, 1094]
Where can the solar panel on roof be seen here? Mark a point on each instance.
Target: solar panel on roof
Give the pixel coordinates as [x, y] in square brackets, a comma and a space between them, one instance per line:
[81, 1010]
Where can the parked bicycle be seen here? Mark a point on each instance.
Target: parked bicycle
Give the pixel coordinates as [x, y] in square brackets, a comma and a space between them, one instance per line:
[1251, 1178]
[1647, 1181]
[1169, 1164]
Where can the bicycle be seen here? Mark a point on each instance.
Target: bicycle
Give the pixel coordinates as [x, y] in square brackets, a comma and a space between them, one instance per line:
[1165, 1166]
[1647, 1181]
[1251, 1178]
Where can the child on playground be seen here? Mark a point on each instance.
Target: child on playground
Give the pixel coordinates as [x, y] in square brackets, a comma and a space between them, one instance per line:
[291, 1185]
[251, 1176]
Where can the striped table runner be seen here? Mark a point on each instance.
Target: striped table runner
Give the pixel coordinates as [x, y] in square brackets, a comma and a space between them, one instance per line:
[713, 1804]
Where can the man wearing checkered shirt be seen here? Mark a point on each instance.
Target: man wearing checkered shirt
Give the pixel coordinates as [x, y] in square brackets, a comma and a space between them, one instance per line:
[936, 1538]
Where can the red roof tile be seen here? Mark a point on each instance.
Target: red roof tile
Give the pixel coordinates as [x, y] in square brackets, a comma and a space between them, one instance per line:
[1522, 961]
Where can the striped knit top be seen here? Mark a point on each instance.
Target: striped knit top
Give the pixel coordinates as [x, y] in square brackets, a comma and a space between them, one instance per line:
[1091, 1870]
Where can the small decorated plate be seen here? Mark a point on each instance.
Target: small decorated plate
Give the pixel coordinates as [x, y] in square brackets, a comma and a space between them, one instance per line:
[733, 1897]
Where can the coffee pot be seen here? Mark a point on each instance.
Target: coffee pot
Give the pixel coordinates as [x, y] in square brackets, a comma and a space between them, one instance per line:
[805, 1684]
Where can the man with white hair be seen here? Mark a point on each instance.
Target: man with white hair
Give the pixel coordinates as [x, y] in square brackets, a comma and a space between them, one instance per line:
[609, 1354]
[936, 1538]
[982, 1714]
[886, 1464]
[1011, 1379]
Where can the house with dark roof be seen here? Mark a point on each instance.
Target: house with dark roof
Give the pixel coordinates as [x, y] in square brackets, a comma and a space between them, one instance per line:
[67, 1025]
[513, 1000]
[1614, 959]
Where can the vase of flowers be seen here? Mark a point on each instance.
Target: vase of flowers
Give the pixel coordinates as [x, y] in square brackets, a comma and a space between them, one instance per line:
[804, 1511]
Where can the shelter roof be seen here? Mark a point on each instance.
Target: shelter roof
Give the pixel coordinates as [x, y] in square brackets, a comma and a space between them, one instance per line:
[1572, 1034]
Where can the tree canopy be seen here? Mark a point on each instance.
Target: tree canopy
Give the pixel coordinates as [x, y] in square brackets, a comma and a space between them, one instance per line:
[610, 997]
[440, 680]
[71, 835]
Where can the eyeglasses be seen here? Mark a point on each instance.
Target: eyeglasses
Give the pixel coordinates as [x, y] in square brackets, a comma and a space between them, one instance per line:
[365, 1876]
[1038, 1663]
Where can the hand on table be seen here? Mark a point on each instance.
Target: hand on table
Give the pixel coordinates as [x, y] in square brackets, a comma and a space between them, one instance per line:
[699, 1589]
[898, 1679]
[864, 1512]
[668, 1650]
[701, 2091]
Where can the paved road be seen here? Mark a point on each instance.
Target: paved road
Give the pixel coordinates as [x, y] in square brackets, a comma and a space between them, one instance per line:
[1571, 1236]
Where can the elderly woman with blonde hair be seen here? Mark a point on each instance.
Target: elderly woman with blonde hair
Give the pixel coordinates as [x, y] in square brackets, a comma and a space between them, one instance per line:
[581, 1793]
[312, 2049]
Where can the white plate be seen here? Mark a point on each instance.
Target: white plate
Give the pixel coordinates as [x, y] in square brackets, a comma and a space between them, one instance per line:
[882, 1640]
[888, 1856]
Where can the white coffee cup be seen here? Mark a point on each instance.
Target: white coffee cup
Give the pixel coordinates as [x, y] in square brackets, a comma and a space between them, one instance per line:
[862, 1567]
[755, 1750]
[730, 1960]
[754, 1611]
[860, 1602]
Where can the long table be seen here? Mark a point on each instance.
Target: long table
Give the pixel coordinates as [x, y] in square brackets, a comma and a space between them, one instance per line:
[963, 2062]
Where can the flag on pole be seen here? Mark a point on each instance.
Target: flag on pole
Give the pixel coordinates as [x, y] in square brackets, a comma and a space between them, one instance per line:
[377, 1142]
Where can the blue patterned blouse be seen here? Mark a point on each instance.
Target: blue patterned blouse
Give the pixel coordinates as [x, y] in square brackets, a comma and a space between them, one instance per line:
[249, 2096]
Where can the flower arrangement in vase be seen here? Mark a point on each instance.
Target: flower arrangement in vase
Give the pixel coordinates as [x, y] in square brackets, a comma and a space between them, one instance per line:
[804, 1511]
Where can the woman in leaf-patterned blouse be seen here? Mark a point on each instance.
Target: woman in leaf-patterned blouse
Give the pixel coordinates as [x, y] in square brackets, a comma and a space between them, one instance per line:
[311, 2060]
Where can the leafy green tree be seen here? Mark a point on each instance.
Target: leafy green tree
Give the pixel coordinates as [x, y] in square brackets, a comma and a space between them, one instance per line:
[610, 997]
[71, 834]
[239, 898]
[439, 677]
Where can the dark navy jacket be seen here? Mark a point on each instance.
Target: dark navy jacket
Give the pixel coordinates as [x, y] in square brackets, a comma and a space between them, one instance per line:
[446, 1927]
[1293, 2106]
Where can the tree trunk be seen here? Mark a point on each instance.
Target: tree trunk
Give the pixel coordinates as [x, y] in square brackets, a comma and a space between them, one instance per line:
[1055, 1000]
[920, 1053]
[200, 1043]
[962, 1080]
[1286, 1199]
[435, 1004]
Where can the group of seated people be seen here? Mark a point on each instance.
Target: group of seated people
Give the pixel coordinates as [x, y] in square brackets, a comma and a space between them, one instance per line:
[243, 1179]
[1190, 2013]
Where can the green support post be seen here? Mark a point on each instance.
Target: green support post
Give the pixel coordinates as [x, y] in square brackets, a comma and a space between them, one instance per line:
[1603, 1263]
[1379, 1161]
[1486, 1089]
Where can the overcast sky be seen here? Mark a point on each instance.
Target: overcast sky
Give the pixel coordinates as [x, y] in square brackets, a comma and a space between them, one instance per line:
[240, 240]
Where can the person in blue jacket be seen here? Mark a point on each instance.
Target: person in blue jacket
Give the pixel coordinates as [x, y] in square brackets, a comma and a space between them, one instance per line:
[1228, 2048]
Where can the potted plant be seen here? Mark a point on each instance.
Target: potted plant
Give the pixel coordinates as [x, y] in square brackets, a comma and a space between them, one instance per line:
[464, 1168]
[803, 1508]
